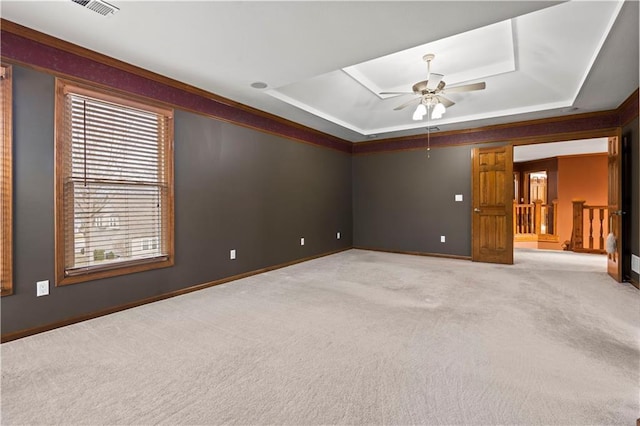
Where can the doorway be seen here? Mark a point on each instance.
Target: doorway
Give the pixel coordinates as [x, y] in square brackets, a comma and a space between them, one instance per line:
[582, 187]
[549, 177]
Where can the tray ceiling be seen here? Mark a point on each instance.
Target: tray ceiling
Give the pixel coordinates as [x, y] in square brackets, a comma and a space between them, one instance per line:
[530, 63]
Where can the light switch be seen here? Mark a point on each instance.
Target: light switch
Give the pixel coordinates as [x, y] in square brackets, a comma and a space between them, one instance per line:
[42, 288]
[458, 197]
[232, 254]
[301, 241]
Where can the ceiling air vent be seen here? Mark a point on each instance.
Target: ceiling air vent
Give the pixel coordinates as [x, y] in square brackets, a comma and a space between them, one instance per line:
[98, 6]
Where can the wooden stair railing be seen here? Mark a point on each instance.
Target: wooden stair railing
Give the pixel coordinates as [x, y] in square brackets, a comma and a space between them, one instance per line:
[597, 213]
[536, 221]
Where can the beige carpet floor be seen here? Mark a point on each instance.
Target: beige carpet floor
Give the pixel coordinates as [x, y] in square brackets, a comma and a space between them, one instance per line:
[358, 337]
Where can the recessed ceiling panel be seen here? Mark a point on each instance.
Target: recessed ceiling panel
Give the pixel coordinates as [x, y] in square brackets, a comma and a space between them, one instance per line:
[472, 55]
[535, 62]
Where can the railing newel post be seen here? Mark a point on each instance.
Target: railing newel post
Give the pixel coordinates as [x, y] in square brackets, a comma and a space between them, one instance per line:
[577, 234]
[537, 217]
[555, 216]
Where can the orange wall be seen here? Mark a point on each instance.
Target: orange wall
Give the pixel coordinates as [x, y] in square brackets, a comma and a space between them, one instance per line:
[581, 177]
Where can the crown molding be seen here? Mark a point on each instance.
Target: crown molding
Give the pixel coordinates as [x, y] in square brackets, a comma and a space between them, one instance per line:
[553, 129]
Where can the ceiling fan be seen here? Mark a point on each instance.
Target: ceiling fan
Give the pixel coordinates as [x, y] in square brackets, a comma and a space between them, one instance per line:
[432, 91]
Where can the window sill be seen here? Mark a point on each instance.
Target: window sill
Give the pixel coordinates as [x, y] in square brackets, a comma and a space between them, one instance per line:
[62, 279]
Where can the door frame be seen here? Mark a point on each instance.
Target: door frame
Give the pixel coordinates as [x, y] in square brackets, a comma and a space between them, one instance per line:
[614, 203]
[626, 205]
[588, 134]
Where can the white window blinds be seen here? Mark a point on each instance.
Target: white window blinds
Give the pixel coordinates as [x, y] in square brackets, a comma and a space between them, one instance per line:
[116, 183]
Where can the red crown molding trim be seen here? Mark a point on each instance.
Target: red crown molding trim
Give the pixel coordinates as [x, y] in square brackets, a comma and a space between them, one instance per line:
[28, 46]
[628, 110]
[541, 130]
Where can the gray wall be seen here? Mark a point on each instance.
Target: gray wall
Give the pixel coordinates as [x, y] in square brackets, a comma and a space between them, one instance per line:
[235, 188]
[405, 201]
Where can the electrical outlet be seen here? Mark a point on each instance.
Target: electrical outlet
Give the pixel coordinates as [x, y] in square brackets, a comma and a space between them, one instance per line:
[301, 241]
[337, 236]
[635, 264]
[442, 239]
[232, 254]
[42, 288]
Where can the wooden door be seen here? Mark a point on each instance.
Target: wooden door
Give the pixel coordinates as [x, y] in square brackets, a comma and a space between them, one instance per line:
[614, 260]
[492, 220]
[538, 187]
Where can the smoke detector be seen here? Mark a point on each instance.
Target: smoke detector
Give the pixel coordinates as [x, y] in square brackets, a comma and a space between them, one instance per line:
[98, 6]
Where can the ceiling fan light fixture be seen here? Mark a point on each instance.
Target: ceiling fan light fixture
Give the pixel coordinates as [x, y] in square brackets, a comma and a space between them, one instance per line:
[438, 110]
[420, 112]
[431, 92]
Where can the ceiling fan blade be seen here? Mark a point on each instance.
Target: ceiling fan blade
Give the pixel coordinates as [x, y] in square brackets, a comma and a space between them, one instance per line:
[466, 87]
[446, 102]
[395, 93]
[434, 80]
[406, 104]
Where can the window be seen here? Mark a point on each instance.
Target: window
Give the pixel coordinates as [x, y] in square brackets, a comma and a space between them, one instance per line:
[111, 222]
[114, 184]
[6, 190]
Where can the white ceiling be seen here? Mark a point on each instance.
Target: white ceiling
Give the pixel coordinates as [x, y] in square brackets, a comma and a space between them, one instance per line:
[558, 149]
[324, 62]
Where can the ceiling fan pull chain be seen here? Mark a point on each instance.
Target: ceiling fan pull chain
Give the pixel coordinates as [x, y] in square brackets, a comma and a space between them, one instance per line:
[428, 138]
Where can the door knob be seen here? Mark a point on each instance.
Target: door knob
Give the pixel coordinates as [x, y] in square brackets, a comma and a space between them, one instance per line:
[477, 210]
